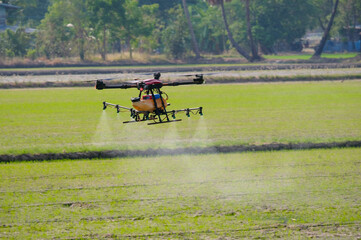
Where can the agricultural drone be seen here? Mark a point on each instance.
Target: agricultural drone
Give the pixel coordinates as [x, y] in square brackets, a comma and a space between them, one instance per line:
[150, 105]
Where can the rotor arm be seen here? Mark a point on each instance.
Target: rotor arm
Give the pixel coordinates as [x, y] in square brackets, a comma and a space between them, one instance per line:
[100, 85]
[198, 80]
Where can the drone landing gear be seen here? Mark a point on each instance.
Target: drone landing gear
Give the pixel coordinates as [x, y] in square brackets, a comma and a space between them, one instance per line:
[134, 121]
[156, 121]
[176, 120]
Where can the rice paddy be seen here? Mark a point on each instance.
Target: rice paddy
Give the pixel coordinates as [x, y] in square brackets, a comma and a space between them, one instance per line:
[259, 195]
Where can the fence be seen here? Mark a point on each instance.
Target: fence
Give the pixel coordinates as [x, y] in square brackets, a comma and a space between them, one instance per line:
[334, 46]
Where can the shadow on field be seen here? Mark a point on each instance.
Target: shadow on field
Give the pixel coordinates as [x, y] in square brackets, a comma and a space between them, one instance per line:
[176, 151]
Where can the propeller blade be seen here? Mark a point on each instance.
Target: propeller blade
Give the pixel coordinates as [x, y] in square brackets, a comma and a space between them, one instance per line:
[144, 74]
[215, 73]
[196, 75]
[101, 79]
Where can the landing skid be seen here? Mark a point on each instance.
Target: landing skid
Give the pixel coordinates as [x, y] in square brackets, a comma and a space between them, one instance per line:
[176, 120]
[153, 123]
[133, 121]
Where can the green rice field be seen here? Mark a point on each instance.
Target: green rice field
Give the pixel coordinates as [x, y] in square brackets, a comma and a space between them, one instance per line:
[290, 194]
[72, 119]
[255, 195]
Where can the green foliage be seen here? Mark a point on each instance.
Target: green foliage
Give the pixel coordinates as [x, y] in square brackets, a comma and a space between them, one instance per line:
[31, 54]
[105, 16]
[14, 44]
[281, 22]
[322, 12]
[157, 26]
[138, 22]
[176, 38]
[78, 21]
[31, 12]
[209, 28]
[349, 16]
[164, 5]
[236, 16]
[54, 38]
[149, 39]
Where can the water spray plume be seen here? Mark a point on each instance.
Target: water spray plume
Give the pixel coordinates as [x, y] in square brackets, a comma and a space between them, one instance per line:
[103, 134]
[171, 137]
[200, 135]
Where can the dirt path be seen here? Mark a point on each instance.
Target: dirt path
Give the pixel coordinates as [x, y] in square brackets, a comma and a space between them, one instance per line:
[164, 69]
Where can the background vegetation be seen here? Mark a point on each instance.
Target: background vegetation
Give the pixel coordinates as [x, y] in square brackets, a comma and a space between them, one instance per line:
[84, 28]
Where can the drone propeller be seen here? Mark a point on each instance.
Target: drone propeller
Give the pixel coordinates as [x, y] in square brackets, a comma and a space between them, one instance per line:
[102, 79]
[188, 75]
[136, 80]
[145, 74]
[197, 75]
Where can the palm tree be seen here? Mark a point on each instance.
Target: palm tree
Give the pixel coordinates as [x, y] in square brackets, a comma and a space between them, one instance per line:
[194, 41]
[229, 33]
[320, 47]
[255, 56]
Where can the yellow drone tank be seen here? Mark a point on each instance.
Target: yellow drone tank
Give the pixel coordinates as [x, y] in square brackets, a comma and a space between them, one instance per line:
[146, 103]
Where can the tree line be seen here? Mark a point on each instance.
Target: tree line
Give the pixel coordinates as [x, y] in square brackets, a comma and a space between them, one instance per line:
[178, 28]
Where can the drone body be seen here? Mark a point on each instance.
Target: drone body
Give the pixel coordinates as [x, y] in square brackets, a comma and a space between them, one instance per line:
[151, 104]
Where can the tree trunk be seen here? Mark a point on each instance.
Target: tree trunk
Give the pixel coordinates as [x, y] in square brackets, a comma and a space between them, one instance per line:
[322, 44]
[130, 48]
[103, 52]
[194, 41]
[81, 45]
[230, 36]
[255, 56]
[321, 24]
[81, 49]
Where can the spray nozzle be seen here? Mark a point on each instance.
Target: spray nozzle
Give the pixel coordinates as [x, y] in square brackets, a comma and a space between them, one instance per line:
[132, 113]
